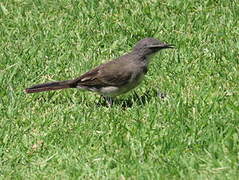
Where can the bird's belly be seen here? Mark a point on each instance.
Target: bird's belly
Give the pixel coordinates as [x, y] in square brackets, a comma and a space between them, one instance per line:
[112, 91]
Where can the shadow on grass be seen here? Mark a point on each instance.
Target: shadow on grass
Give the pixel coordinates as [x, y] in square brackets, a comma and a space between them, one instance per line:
[132, 100]
[135, 99]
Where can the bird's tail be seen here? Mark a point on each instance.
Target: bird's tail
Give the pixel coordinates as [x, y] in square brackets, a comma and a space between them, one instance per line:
[49, 86]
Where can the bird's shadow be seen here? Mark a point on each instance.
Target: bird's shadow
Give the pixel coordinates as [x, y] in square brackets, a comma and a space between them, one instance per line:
[135, 99]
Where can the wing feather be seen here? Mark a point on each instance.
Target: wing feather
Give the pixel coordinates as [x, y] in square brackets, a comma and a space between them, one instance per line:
[109, 74]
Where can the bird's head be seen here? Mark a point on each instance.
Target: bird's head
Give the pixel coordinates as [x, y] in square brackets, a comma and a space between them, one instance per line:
[149, 46]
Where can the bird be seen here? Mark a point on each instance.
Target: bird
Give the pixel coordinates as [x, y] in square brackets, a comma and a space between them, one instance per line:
[114, 77]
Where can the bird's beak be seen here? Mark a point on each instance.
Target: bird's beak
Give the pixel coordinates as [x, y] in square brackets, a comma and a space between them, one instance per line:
[169, 46]
[162, 46]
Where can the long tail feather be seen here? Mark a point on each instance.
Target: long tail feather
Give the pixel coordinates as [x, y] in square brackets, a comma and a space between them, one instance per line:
[49, 86]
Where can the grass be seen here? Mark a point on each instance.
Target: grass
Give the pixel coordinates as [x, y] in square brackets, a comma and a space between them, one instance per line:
[191, 134]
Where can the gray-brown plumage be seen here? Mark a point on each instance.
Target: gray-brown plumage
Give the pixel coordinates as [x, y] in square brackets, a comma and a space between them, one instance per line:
[114, 77]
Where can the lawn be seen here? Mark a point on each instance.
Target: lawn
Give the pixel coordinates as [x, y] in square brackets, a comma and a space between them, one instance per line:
[191, 133]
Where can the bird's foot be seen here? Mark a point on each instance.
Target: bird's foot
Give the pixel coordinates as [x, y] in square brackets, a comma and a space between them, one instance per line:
[109, 101]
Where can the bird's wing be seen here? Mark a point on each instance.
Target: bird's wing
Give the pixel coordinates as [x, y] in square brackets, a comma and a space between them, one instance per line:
[109, 74]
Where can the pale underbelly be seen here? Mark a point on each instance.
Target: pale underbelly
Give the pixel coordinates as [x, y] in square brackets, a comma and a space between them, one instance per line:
[112, 91]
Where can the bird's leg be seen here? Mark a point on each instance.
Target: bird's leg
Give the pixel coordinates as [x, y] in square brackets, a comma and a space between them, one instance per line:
[109, 100]
[136, 95]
